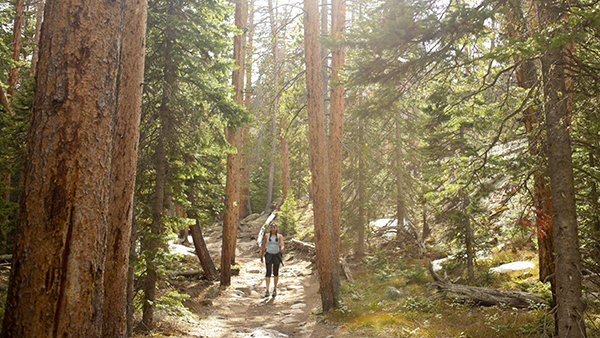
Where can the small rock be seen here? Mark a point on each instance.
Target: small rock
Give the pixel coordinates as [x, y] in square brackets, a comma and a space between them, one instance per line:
[290, 320]
[392, 293]
[298, 306]
[267, 333]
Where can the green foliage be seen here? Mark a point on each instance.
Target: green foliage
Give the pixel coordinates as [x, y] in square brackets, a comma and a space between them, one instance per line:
[13, 135]
[288, 216]
[171, 304]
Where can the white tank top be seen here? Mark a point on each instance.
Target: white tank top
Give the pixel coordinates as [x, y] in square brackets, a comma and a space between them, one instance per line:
[273, 244]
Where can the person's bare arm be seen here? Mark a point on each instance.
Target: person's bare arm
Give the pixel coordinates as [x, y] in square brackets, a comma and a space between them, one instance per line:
[281, 245]
[263, 248]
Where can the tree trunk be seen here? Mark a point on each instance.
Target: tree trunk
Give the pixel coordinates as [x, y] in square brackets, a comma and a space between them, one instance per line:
[336, 126]
[526, 74]
[123, 167]
[206, 262]
[324, 52]
[594, 196]
[232, 187]
[39, 16]
[13, 74]
[131, 274]
[228, 221]
[285, 162]
[400, 194]
[241, 22]
[13, 78]
[56, 288]
[326, 263]
[245, 208]
[360, 236]
[570, 308]
[469, 246]
[273, 21]
[152, 242]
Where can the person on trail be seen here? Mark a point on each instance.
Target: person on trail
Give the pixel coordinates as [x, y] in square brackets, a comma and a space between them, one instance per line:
[271, 252]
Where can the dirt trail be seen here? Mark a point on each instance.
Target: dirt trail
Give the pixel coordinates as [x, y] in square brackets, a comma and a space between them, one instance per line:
[241, 310]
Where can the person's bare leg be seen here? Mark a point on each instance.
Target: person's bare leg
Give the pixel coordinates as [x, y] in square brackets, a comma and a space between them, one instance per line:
[275, 281]
[268, 281]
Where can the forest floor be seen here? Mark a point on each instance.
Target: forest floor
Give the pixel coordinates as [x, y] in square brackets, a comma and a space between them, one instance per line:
[241, 310]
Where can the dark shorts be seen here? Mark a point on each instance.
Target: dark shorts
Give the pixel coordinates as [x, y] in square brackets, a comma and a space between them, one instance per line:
[272, 262]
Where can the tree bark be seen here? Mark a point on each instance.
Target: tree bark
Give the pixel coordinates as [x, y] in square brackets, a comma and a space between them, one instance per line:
[400, 194]
[151, 243]
[360, 227]
[469, 246]
[228, 220]
[241, 22]
[526, 74]
[13, 78]
[39, 16]
[285, 163]
[273, 21]
[232, 186]
[326, 263]
[131, 274]
[56, 288]
[206, 262]
[123, 167]
[245, 208]
[13, 74]
[336, 125]
[570, 307]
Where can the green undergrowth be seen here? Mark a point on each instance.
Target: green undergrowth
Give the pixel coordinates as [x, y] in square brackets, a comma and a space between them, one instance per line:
[420, 311]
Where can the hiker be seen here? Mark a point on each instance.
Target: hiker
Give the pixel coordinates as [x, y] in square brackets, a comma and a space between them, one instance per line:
[273, 245]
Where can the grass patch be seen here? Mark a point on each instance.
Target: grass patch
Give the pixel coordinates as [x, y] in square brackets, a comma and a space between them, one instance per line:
[421, 312]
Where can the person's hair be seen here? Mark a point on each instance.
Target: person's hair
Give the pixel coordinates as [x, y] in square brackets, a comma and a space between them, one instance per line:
[276, 232]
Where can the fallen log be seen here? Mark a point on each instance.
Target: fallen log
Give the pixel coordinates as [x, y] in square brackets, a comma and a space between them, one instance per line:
[304, 245]
[488, 297]
[346, 270]
[484, 296]
[188, 273]
[5, 258]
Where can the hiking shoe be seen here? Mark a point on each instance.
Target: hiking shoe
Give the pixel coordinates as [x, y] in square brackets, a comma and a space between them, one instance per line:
[274, 292]
[267, 293]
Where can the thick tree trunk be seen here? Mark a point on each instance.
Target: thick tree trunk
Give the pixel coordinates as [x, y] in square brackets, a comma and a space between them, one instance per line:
[241, 22]
[570, 308]
[232, 187]
[230, 224]
[123, 170]
[245, 208]
[336, 125]
[527, 78]
[325, 245]
[274, 42]
[56, 288]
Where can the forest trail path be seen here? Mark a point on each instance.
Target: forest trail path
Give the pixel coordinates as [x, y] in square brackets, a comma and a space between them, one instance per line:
[241, 310]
